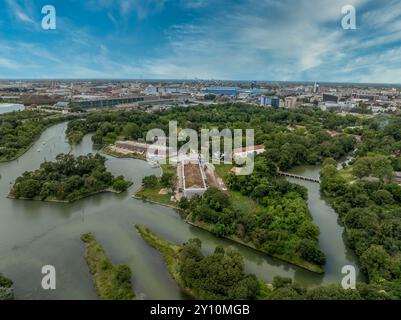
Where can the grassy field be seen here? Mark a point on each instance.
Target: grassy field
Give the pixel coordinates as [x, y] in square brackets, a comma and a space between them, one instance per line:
[153, 195]
[111, 282]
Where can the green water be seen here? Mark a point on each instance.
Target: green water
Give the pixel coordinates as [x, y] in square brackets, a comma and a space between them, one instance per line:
[34, 234]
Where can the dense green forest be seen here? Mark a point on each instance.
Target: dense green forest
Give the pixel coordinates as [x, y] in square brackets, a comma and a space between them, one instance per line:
[68, 179]
[18, 130]
[6, 288]
[369, 202]
[221, 276]
[291, 137]
[280, 225]
[111, 282]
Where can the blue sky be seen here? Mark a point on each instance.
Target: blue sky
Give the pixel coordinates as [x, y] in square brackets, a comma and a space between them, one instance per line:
[278, 40]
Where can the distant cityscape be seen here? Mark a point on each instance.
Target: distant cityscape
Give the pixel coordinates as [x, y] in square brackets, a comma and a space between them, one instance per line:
[63, 95]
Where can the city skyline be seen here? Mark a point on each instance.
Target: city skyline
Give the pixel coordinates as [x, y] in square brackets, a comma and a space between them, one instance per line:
[175, 39]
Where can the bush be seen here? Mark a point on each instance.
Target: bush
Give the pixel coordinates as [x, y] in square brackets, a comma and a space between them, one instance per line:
[168, 180]
[6, 293]
[119, 184]
[6, 290]
[150, 182]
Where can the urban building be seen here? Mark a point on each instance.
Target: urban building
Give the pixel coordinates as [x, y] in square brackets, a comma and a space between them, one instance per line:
[270, 101]
[291, 102]
[330, 98]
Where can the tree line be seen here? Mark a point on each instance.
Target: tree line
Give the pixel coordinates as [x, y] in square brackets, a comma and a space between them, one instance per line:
[292, 137]
[18, 130]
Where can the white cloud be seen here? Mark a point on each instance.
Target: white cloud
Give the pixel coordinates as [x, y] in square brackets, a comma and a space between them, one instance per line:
[252, 39]
[19, 12]
[195, 4]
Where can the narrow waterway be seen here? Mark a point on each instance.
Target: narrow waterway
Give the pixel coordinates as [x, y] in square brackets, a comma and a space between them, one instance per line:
[332, 234]
[34, 234]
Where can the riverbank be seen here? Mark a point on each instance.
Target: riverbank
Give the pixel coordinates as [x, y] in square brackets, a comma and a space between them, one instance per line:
[296, 262]
[108, 190]
[24, 150]
[20, 153]
[170, 252]
[111, 282]
[111, 152]
[139, 195]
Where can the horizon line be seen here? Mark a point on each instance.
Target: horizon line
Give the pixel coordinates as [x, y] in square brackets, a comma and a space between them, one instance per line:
[205, 80]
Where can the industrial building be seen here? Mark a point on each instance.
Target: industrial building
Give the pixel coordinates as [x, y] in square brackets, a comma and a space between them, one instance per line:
[193, 178]
[226, 91]
[109, 102]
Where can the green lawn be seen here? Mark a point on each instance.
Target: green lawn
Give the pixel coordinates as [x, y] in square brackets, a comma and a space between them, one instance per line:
[153, 195]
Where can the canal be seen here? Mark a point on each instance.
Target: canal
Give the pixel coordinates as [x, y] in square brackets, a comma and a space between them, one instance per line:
[34, 234]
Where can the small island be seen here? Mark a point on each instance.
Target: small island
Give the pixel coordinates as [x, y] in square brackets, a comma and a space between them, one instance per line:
[219, 276]
[111, 282]
[68, 179]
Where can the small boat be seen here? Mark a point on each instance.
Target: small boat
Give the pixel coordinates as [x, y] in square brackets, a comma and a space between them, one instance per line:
[38, 150]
